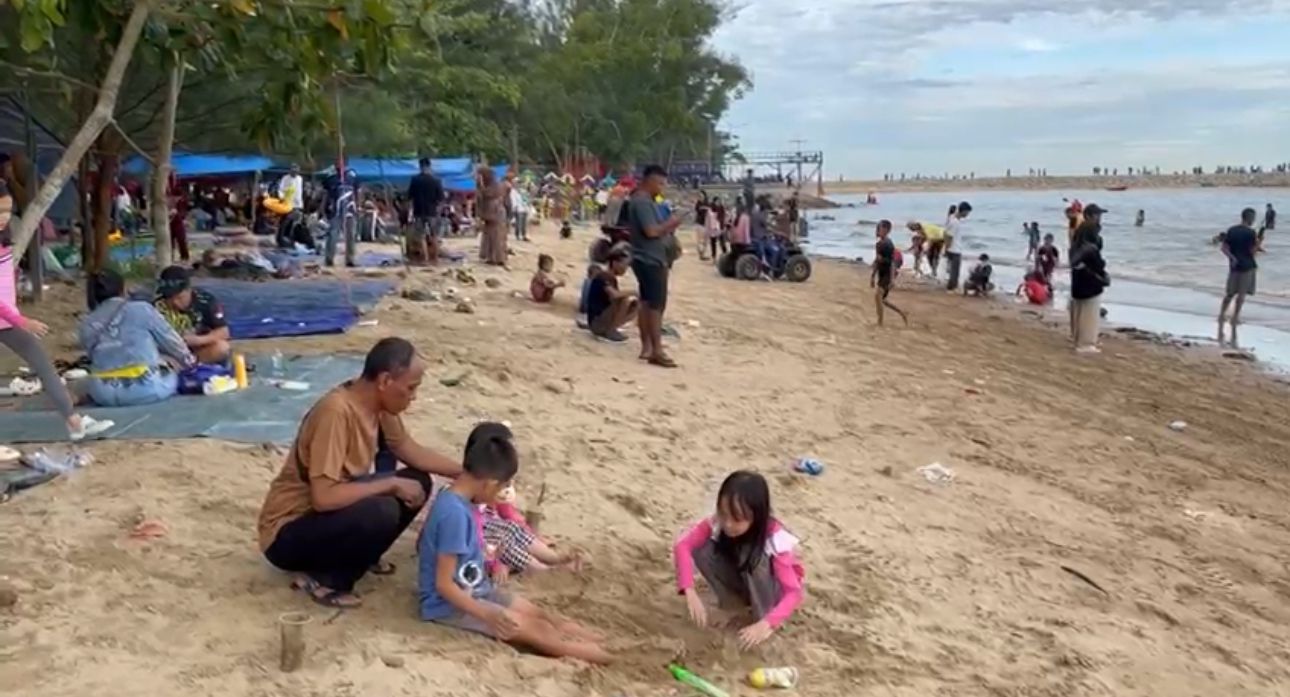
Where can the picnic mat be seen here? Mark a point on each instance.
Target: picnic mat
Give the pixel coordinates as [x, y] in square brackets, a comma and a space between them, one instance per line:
[262, 413]
[263, 309]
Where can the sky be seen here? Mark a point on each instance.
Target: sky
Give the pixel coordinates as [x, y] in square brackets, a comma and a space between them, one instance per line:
[959, 86]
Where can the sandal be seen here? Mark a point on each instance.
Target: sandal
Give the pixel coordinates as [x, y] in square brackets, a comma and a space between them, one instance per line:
[383, 568]
[662, 362]
[332, 598]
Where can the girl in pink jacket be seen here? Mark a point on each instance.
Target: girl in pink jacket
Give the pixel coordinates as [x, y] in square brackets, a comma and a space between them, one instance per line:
[746, 556]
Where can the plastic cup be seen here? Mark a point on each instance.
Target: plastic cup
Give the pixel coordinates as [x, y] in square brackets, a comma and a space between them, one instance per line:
[292, 625]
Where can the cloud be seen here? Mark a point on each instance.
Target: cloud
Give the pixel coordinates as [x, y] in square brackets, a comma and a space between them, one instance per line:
[987, 82]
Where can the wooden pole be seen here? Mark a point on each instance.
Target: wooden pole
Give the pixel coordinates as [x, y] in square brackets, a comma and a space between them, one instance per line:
[161, 172]
[35, 263]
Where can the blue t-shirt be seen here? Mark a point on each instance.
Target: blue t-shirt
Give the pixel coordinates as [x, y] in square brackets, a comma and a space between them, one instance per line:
[450, 529]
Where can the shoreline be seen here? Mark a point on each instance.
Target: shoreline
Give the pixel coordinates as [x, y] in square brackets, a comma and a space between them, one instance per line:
[913, 587]
[1054, 183]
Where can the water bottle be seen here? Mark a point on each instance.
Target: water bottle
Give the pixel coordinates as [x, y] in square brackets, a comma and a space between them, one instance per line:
[279, 364]
[763, 678]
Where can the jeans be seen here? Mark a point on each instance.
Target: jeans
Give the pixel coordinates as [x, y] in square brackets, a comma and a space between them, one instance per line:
[953, 264]
[337, 548]
[770, 252]
[521, 226]
[113, 392]
[334, 233]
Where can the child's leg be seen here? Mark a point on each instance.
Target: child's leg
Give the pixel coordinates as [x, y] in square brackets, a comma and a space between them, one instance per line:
[538, 631]
[561, 623]
[726, 580]
[762, 587]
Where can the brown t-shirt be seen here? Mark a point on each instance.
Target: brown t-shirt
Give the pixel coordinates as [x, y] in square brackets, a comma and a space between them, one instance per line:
[338, 441]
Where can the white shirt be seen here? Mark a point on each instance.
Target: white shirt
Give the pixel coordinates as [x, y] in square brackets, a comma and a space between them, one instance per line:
[291, 188]
[954, 233]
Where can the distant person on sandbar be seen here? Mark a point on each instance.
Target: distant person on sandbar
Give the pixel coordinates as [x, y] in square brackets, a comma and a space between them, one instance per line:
[883, 275]
[340, 500]
[1240, 244]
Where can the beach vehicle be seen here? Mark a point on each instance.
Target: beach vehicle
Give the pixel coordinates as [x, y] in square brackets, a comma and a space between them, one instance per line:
[743, 263]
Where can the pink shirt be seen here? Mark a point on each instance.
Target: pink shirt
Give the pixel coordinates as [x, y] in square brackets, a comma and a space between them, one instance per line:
[505, 511]
[9, 314]
[741, 233]
[781, 547]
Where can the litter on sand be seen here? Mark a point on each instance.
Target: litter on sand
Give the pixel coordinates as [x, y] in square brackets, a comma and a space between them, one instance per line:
[1178, 425]
[808, 465]
[937, 473]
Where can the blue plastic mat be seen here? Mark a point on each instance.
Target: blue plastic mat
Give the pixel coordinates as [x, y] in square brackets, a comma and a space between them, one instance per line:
[261, 413]
[259, 310]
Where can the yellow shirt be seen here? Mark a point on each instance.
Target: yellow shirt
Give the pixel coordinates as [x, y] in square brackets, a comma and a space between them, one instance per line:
[933, 233]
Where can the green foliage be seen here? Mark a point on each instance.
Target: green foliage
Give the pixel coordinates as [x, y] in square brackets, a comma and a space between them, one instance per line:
[617, 79]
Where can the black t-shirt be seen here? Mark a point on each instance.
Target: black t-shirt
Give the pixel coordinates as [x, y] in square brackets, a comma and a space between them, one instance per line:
[1270, 219]
[1047, 256]
[884, 257]
[1241, 241]
[1088, 272]
[426, 193]
[204, 315]
[598, 299]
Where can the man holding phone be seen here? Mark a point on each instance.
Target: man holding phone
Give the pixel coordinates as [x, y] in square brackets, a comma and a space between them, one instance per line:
[650, 262]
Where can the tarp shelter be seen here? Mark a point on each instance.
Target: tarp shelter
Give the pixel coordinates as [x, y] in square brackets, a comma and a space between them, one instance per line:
[399, 171]
[203, 165]
[13, 139]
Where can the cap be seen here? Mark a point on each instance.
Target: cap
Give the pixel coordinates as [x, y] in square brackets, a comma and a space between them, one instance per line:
[1094, 209]
[173, 281]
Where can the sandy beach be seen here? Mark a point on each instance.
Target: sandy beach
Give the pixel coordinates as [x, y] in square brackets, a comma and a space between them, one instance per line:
[1064, 466]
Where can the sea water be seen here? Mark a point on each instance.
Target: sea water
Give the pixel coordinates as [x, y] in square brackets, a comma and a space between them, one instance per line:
[1166, 276]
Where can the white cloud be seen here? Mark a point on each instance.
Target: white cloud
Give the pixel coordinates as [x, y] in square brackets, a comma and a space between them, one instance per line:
[999, 83]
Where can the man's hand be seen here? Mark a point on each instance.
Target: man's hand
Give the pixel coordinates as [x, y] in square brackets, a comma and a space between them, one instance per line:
[409, 492]
[504, 623]
[698, 613]
[754, 634]
[37, 327]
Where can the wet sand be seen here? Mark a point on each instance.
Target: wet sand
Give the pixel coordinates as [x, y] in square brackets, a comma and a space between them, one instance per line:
[913, 588]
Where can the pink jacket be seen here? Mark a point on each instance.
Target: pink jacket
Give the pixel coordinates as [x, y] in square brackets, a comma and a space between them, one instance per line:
[741, 232]
[9, 314]
[781, 547]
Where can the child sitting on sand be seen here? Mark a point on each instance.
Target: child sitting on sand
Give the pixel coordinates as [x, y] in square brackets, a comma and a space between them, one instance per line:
[745, 555]
[1035, 288]
[978, 280]
[510, 545]
[455, 589]
[543, 285]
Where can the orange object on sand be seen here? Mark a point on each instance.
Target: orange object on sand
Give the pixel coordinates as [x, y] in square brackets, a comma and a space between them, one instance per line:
[149, 530]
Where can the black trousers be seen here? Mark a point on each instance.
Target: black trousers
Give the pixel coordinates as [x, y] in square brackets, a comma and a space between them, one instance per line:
[337, 548]
[953, 265]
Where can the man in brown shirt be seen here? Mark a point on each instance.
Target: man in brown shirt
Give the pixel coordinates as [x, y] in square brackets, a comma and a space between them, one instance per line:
[328, 515]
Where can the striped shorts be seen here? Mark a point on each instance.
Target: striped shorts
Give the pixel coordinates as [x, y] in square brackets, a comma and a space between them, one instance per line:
[512, 542]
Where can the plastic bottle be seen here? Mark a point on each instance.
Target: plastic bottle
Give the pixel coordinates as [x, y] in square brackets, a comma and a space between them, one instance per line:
[685, 677]
[239, 371]
[763, 678]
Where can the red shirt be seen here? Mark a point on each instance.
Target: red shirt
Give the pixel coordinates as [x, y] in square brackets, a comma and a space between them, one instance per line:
[1037, 292]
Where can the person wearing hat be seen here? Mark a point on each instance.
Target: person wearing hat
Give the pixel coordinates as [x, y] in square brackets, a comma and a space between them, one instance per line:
[609, 308]
[1088, 280]
[195, 314]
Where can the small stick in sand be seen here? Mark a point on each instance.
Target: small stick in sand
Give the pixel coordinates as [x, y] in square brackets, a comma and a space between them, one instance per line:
[1080, 575]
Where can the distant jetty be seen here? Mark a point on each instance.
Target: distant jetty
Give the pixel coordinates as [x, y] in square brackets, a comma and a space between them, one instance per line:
[1083, 183]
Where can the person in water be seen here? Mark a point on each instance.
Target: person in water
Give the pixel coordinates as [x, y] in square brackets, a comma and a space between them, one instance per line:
[1141, 219]
[1239, 245]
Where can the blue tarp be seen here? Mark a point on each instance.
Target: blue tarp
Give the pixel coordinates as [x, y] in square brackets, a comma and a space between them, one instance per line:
[259, 310]
[190, 165]
[457, 173]
[259, 414]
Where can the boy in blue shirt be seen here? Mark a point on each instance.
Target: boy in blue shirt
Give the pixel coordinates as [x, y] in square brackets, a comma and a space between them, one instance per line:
[455, 589]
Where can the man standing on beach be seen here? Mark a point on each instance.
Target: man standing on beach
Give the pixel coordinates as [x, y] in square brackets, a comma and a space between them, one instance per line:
[426, 193]
[955, 243]
[1239, 246]
[650, 263]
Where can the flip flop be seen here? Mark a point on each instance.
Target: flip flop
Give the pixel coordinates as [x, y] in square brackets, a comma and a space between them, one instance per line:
[332, 598]
[662, 362]
[383, 568]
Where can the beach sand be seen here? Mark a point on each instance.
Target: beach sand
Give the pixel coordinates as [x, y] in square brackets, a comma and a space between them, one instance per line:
[913, 588]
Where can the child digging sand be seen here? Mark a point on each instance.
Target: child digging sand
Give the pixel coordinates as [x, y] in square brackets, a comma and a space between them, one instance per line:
[746, 556]
[510, 545]
[455, 589]
[543, 285]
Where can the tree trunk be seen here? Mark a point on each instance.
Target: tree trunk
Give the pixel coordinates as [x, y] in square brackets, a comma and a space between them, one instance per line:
[109, 161]
[160, 208]
[90, 130]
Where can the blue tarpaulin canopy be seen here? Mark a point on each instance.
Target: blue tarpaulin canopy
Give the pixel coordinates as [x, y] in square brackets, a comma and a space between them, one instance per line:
[399, 171]
[191, 165]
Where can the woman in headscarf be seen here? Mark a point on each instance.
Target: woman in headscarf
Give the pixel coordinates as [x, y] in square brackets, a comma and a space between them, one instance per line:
[491, 196]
